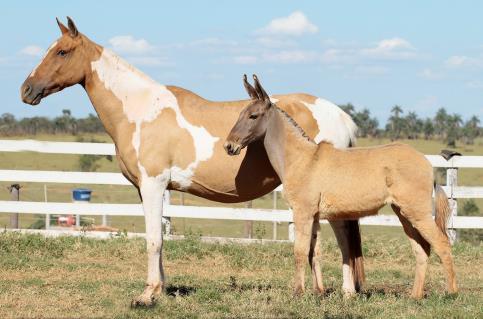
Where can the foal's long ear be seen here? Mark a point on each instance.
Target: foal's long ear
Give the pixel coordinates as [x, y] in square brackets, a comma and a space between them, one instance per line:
[62, 27]
[72, 28]
[261, 92]
[250, 89]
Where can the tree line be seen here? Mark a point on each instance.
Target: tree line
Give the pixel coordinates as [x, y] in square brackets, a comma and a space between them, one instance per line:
[400, 125]
[63, 124]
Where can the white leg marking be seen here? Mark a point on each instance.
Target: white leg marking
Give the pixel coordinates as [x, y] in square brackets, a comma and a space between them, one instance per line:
[152, 190]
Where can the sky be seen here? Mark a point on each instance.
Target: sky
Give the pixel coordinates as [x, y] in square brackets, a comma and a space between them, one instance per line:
[421, 55]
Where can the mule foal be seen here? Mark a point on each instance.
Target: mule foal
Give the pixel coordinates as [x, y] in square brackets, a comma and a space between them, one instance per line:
[321, 181]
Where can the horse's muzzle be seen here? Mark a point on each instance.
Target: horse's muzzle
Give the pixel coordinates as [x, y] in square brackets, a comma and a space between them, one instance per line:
[232, 148]
[31, 94]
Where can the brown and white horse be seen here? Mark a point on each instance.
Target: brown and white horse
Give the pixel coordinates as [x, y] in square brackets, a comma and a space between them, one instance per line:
[167, 137]
[321, 181]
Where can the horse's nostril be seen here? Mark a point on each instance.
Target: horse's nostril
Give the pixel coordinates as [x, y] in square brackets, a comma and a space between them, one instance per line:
[27, 89]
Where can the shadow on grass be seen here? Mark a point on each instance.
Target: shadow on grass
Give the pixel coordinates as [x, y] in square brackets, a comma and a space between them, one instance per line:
[179, 290]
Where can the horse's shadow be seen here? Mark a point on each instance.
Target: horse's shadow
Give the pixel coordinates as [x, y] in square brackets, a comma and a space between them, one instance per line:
[179, 290]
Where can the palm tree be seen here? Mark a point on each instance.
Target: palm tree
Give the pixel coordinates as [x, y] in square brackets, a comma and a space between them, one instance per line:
[395, 123]
[471, 130]
[453, 129]
[440, 121]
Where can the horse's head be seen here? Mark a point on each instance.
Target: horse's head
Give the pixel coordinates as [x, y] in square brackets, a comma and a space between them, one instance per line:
[62, 66]
[253, 120]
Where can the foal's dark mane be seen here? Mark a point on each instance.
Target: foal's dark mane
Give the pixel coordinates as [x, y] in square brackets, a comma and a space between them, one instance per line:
[294, 124]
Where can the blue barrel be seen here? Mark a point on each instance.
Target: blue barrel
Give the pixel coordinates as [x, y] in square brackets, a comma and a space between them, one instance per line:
[81, 195]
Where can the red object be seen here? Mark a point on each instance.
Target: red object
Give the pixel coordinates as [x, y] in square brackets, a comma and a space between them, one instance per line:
[66, 220]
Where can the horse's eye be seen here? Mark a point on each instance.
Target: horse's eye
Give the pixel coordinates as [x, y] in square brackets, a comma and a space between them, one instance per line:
[62, 53]
[253, 116]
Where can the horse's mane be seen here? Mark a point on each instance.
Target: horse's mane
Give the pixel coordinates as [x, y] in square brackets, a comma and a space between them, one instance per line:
[294, 124]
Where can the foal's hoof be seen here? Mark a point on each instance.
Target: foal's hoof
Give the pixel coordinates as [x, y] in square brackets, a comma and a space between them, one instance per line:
[143, 301]
[298, 291]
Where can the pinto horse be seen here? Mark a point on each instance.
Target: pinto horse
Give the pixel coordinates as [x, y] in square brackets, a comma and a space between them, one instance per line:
[321, 181]
[167, 137]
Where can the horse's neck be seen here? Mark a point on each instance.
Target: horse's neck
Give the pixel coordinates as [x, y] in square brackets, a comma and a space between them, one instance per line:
[285, 145]
[121, 94]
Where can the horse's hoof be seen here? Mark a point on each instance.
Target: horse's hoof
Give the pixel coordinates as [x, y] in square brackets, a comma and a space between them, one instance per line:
[143, 301]
[349, 294]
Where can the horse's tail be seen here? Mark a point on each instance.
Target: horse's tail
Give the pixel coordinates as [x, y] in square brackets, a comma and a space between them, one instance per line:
[356, 260]
[442, 209]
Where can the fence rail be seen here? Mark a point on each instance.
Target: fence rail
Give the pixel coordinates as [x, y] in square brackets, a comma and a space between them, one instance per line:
[452, 189]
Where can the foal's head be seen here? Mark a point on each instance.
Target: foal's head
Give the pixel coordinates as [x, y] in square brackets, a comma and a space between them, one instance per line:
[62, 66]
[253, 120]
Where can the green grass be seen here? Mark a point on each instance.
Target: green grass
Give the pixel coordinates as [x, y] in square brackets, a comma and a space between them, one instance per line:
[86, 278]
[128, 194]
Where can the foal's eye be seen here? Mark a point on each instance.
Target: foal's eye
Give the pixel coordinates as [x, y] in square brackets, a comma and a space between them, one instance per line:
[253, 116]
[62, 53]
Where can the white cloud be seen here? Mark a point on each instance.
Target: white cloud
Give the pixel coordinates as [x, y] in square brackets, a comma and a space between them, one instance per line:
[477, 84]
[275, 42]
[295, 24]
[129, 44]
[32, 50]
[293, 56]
[393, 49]
[457, 61]
[245, 59]
[429, 74]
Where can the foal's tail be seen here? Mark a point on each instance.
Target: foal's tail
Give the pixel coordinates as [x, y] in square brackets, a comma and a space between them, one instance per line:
[442, 209]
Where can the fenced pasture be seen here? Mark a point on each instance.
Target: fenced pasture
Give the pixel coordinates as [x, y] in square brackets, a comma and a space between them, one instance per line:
[87, 278]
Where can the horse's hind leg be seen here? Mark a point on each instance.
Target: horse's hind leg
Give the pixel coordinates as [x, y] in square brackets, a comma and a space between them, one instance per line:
[421, 250]
[315, 257]
[427, 227]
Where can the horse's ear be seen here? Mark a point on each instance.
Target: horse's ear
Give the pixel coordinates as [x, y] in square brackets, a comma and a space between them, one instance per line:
[62, 27]
[72, 28]
[250, 89]
[260, 91]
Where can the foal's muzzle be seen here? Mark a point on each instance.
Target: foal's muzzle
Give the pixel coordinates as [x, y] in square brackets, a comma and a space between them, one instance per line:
[232, 148]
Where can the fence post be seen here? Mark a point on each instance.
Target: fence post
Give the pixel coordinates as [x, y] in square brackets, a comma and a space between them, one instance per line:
[291, 231]
[166, 220]
[274, 207]
[47, 216]
[14, 190]
[249, 223]
[451, 182]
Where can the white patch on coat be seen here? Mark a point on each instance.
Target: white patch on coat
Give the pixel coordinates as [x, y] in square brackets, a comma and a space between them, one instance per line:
[46, 53]
[335, 126]
[143, 100]
[348, 280]
[274, 100]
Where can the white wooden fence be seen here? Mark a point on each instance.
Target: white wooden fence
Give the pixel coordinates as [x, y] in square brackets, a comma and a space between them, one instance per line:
[23, 207]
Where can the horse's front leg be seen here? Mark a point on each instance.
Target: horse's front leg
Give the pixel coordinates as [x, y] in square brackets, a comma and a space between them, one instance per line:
[152, 190]
[303, 222]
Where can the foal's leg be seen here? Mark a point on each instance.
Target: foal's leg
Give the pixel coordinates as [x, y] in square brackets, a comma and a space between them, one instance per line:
[426, 226]
[152, 190]
[315, 257]
[303, 237]
[348, 284]
[421, 250]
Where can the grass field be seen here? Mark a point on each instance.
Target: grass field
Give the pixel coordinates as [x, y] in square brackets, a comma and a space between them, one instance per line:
[85, 278]
[127, 194]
